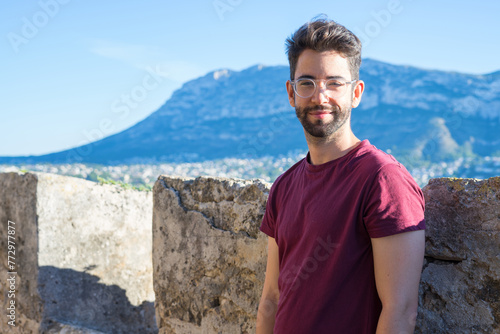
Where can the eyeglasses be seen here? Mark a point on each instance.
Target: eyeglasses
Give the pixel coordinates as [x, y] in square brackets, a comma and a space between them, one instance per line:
[305, 88]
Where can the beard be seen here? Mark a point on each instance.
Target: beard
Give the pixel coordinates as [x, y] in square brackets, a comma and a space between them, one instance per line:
[320, 128]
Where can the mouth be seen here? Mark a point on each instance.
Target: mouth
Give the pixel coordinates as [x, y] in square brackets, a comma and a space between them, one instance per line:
[320, 114]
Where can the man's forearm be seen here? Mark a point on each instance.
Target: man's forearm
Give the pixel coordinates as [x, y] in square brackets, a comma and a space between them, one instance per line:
[397, 321]
[266, 316]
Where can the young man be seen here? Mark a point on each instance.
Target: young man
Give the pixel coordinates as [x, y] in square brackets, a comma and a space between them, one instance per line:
[346, 223]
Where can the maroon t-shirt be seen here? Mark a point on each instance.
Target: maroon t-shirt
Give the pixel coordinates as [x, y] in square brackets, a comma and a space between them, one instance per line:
[322, 218]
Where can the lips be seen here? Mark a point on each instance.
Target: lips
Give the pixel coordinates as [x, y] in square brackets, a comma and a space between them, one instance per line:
[319, 109]
[319, 113]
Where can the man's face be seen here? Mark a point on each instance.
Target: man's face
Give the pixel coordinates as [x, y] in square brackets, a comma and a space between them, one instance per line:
[321, 115]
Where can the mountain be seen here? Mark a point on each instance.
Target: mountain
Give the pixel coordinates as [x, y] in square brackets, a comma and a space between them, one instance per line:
[421, 114]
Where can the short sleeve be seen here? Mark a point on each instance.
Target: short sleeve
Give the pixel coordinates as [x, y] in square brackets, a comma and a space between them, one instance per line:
[268, 225]
[394, 204]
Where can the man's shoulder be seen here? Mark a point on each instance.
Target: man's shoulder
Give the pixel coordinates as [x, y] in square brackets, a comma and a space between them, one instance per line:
[373, 159]
[289, 175]
[378, 166]
[370, 164]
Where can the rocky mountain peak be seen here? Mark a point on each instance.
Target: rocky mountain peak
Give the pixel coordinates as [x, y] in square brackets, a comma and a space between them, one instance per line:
[246, 113]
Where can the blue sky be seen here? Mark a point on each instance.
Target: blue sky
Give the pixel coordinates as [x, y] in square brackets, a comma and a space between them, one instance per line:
[69, 68]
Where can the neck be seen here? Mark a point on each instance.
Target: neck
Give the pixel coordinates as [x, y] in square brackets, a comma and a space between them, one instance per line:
[322, 150]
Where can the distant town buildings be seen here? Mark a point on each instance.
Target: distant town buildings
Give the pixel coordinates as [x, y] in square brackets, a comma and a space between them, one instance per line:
[266, 168]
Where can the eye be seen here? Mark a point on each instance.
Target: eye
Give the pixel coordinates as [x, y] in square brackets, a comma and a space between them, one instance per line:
[305, 83]
[334, 84]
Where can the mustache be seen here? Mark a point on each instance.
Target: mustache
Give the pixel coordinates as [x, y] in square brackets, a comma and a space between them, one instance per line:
[319, 107]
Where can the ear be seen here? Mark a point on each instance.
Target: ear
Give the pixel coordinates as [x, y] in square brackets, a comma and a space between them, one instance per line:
[291, 93]
[358, 92]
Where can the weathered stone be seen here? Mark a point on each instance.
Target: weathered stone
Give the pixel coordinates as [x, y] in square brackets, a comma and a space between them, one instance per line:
[87, 250]
[208, 254]
[460, 287]
[83, 255]
[18, 204]
[58, 328]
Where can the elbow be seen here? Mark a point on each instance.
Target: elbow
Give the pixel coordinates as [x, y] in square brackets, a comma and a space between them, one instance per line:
[266, 316]
[405, 310]
[268, 306]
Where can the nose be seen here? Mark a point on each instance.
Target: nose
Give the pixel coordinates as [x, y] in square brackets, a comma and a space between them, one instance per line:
[320, 94]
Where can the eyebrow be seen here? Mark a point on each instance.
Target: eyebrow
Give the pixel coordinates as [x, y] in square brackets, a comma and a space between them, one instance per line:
[335, 77]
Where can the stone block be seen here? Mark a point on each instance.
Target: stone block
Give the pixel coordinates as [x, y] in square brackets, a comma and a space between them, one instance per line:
[84, 254]
[18, 194]
[209, 258]
[460, 286]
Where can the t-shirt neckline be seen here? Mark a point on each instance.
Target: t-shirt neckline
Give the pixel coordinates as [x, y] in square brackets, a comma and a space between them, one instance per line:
[318, 168]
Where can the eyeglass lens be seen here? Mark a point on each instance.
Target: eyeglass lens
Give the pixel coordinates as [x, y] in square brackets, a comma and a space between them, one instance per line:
[306, 87]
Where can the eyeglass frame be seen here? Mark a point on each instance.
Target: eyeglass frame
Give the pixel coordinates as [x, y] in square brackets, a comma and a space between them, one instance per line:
[344, 83]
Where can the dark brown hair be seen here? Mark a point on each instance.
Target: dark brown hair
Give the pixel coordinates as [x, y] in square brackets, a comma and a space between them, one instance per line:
[320, 35]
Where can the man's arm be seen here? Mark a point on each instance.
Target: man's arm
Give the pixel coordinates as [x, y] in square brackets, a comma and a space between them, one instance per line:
[398, 261]
[270, 294]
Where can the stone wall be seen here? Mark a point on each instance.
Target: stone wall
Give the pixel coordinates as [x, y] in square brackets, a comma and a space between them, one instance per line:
[83, 254]
[209, 258]
[460, 286]
[87, 255]
[18, 204]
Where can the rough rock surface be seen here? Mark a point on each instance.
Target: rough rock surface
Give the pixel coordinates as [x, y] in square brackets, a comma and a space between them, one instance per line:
[18, 204]
[85, 253]
[460, 286]
[208, 254]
